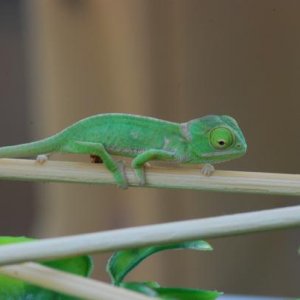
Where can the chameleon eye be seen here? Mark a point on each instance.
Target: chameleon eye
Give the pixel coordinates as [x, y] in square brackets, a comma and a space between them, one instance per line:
[221, 138]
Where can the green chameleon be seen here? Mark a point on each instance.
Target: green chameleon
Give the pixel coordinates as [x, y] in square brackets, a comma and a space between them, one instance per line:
[207, 140]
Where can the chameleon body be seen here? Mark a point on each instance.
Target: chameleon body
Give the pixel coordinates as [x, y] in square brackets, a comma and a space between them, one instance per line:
[207, 140]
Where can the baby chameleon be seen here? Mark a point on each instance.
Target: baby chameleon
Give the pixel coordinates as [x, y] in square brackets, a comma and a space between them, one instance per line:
[207, 140]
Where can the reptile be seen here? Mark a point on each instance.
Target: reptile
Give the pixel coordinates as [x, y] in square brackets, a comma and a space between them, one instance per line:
[206, 140]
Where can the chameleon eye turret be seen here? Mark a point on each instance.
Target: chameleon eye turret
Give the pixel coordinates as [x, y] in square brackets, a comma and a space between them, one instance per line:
[221, 138]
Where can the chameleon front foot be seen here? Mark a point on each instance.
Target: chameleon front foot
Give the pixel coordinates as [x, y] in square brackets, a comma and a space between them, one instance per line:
[140, 175]
[207, 170]
[41, 158]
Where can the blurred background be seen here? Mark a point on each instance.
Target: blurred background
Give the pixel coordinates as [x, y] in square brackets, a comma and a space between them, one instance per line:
[63, 60]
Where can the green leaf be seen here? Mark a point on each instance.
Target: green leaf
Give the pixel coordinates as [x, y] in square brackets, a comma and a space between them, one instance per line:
[186, 294]
[146, 288]
[15, 289]
[152, 289]
[122, 262]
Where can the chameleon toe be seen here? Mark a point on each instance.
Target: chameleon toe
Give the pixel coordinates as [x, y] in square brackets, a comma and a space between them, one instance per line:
[207, 170]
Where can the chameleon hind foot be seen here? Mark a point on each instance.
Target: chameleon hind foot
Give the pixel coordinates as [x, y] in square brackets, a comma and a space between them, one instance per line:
[98, 150]
[140, 175]
[207, 170]
[120, 176]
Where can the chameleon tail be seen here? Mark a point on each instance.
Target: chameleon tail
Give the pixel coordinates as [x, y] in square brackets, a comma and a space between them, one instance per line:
[43, 146]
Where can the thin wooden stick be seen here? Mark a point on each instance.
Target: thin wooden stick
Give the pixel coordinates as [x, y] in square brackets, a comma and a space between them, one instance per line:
[69, 284]
[158, 177]
[213, 227]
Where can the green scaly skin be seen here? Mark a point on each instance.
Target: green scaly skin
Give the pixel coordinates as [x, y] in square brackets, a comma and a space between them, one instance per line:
[207, 140]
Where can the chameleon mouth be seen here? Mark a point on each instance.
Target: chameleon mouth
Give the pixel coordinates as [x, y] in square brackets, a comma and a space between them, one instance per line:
[222, 153]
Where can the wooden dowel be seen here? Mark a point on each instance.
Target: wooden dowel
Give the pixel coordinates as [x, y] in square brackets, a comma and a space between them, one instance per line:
[69, 284]
[158, 177]
[151, 235]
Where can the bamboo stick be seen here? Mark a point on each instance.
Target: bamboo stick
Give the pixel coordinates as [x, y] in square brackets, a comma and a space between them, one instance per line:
[69, 284]
[105, 241]
[158, 177]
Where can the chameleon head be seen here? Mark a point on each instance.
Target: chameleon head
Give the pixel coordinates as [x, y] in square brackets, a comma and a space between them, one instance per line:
[215, 139]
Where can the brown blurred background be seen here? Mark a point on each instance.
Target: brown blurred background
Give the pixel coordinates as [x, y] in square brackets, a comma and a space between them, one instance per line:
[63, 60]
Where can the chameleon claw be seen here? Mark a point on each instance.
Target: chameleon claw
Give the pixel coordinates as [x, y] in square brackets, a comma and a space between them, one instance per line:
[207, 170]
[142, 181]
[120, 176]
[123, 185]
[140, 175]
[41, 158]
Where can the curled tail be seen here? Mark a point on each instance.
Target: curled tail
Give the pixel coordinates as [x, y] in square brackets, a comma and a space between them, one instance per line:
[44, 146]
